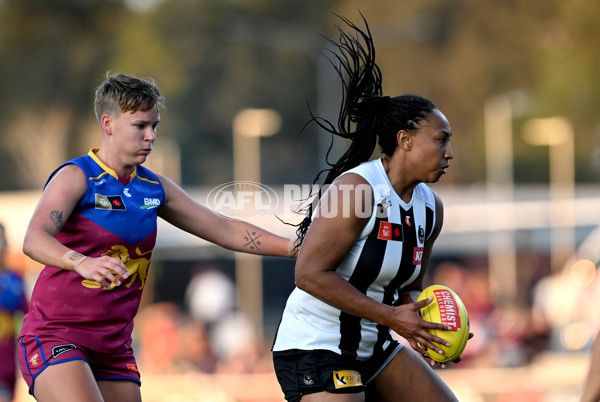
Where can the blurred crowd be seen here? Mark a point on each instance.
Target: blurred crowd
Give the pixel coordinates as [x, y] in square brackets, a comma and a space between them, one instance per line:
[208, 335]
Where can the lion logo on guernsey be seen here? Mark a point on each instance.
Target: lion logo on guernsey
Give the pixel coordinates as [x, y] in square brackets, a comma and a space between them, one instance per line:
[137, 267]
[150, 203]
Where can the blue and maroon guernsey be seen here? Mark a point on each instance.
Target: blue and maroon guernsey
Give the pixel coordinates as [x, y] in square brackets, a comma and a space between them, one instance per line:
[114, 219]
[12, 300]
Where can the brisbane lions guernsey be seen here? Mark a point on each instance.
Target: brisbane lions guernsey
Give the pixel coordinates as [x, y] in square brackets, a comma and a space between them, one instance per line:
[114, 219]
[385, 259]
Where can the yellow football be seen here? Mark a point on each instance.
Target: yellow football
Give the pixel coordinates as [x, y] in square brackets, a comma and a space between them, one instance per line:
[446, 308]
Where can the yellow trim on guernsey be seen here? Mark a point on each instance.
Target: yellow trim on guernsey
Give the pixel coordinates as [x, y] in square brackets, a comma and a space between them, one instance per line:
[92, 154]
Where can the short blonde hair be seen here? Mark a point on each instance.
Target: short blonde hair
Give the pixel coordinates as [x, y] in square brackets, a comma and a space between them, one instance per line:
[126, 93]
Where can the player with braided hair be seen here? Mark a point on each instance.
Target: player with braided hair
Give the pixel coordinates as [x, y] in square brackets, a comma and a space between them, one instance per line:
[366, 246]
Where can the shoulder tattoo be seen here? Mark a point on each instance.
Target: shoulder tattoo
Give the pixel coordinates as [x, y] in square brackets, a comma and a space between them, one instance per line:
[57, 218]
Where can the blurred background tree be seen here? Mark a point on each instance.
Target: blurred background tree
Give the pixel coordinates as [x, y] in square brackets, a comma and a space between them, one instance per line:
[212, 58]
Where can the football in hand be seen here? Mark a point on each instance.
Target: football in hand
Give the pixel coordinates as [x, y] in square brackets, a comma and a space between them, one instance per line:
[446, 308]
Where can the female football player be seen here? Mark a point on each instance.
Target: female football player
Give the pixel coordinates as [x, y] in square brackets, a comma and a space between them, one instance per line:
[366, 247]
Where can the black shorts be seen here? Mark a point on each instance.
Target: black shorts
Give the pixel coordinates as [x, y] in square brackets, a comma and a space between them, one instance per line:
[303, 372]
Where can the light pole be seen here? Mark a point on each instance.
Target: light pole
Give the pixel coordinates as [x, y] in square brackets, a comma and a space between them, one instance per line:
[248, 126]
[302, 38]
[557, 134]
[499, 112]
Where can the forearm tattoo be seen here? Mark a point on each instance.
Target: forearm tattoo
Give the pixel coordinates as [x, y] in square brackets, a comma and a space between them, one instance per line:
[73, 257]
[57, 218]
[252, 240]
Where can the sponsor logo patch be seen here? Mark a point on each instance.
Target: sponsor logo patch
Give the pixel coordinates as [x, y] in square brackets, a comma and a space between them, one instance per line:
[390, 231]
[60, 349]
[346, 378]
[417, 255]
[132, 367]
[150, 203]
[114, 202]
[449, 313]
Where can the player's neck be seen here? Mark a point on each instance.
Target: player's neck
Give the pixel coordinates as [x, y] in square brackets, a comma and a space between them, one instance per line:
[401, 186]
[123, 173]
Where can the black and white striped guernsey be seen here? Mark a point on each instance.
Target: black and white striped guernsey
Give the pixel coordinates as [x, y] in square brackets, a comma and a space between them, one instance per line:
[385, 259]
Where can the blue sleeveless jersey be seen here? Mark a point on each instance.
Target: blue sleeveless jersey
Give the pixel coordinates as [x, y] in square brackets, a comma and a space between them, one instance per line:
[110, 219]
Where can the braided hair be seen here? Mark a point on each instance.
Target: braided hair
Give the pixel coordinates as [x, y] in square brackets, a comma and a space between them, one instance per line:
[366, 117]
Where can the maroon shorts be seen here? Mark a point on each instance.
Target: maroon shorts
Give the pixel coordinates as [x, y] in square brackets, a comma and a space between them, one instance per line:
[36, 353]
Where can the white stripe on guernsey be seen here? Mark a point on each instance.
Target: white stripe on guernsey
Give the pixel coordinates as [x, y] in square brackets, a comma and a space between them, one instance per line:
[420, 215]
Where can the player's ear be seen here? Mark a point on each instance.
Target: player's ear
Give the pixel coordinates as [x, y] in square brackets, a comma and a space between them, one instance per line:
[404, 140]
[106, 122]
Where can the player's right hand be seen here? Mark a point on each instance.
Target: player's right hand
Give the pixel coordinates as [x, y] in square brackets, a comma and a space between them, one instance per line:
[105, 270]
[407, 323]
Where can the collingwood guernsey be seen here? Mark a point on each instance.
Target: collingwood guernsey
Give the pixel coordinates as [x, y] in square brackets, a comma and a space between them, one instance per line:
[385, 259]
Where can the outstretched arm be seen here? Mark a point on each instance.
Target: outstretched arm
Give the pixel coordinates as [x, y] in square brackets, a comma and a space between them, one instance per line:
[181, 210]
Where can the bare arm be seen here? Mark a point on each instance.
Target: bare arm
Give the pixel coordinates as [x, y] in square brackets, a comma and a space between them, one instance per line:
[184, 212]
[56, 204]
[53, 209]
[327, 242]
